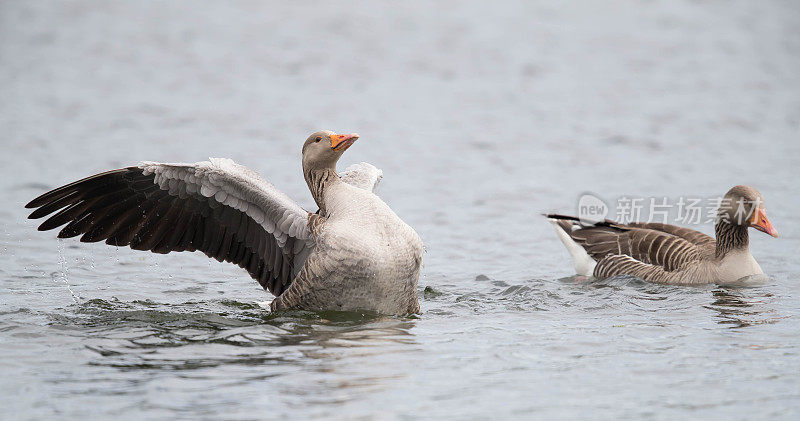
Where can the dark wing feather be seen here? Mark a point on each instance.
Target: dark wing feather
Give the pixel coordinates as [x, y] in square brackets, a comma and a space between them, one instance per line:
[662, 248]
[693, 236]
[127, 207]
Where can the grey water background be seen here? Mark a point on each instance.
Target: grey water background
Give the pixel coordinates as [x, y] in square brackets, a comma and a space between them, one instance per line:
[482, 115]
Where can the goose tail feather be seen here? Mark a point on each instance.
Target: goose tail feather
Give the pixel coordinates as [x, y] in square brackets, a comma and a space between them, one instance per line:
[584, 264]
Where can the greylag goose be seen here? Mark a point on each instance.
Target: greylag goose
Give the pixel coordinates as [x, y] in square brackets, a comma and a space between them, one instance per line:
[354, 253]
[669, 254]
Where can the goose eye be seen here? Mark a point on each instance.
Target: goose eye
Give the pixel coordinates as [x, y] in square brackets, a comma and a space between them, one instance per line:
[317, 139]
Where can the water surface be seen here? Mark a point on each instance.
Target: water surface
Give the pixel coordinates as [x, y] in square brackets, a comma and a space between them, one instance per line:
[482, 116]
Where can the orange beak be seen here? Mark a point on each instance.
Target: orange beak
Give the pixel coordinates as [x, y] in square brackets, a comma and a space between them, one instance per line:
[760, 222]
[340, 142]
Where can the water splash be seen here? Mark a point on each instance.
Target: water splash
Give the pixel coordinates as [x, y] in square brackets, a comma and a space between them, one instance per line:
[63, 273]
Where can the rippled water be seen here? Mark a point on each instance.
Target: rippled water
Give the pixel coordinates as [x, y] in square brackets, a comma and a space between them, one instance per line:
[482, 116]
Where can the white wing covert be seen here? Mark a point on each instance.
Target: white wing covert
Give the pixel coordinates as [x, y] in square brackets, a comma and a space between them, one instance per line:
[362, 175]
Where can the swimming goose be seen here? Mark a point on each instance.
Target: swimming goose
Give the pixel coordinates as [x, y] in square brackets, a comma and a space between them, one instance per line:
[354, 253]
[669, 254]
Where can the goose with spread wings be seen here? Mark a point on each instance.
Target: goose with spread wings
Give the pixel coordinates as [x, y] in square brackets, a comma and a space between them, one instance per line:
[354, 253]
[669, 254]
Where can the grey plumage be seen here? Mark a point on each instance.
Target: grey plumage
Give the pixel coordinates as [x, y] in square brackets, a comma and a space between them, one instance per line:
[322, 261]
[669, 254]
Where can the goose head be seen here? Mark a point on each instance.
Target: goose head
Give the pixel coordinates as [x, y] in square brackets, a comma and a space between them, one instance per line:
[324, 148]
[744, 206]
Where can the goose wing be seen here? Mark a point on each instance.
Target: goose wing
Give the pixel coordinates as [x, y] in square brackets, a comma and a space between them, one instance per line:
[218, 207]
[362, 175]
[693, 236]
[654, 247]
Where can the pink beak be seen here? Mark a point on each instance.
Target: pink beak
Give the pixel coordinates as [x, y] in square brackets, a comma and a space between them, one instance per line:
[760, 222]
[342, 141]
